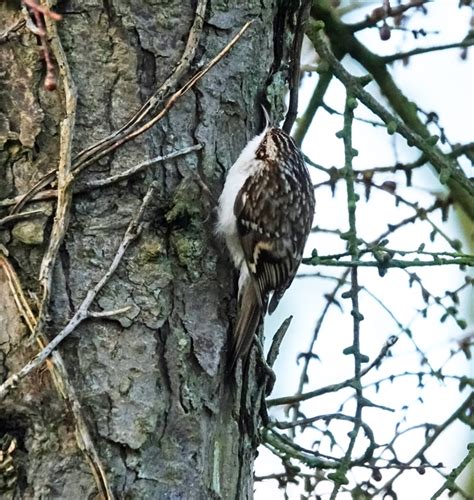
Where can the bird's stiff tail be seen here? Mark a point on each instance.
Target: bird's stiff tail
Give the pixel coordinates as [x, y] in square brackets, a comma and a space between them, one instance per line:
[248, 318]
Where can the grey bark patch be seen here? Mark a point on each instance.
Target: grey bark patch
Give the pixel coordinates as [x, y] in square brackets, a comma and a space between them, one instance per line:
[16, 93]
[122, 365]
[4, 130]
[201, 321]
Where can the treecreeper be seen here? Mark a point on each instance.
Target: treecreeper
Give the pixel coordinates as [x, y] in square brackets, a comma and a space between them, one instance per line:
[265, 214]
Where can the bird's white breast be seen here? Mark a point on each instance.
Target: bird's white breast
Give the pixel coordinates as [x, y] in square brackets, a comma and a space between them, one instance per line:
[245, 166]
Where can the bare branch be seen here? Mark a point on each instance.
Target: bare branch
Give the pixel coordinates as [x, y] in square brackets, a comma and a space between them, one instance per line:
[22, 215]
[64, 189]
[468, 402]
[425, 50]
[109, 314]
[62, 383]
[133, 230]
[130, 132]
[12, 30]
[96, 183]
[277, 340]
[379, 14]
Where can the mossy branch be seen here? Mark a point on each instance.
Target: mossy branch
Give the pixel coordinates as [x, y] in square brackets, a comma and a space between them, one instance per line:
[339, 476]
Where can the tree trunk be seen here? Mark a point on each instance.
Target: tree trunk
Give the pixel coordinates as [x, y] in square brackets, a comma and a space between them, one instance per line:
[164, 419]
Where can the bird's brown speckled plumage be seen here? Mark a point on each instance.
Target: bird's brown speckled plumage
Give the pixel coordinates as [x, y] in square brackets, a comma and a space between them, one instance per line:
[273, 215]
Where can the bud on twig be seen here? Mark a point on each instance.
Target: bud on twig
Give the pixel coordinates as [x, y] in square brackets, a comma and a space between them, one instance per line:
[385, 32]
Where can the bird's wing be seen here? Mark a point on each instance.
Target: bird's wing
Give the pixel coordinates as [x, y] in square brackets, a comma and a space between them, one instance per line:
[274, 211]
[266, 231]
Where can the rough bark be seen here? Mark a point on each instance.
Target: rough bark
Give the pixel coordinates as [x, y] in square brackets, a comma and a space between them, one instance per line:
[165, 420]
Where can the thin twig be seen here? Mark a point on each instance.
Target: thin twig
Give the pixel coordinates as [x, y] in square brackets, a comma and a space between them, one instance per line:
[47, 194]
[425, 50]
[64, 190]
[96, 183]
[82, 162]
[392, 263]
[295, 70]
[327, 418]
[93, 184]
[133, 230]
[12, 30]
[22, 215]
[468, 402]
[266, 388]
[62, 383]
[379, 14]
[277, 340]
[333, 111]
[109, 314]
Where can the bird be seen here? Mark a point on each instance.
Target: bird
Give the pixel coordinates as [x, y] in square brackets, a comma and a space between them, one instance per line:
[265, 213]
